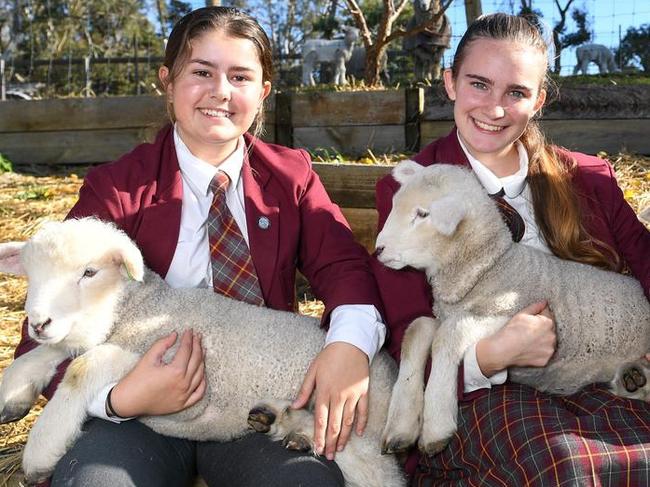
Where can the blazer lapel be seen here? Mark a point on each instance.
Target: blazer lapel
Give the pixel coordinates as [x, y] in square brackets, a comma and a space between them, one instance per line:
[262, 220]
[161, 221]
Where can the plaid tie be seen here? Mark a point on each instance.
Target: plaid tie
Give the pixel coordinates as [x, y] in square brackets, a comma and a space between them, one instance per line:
[513, 219]
[233, 273]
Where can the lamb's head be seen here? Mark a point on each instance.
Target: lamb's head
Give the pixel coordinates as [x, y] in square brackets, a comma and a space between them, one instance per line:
[76, 271]
[440, 214]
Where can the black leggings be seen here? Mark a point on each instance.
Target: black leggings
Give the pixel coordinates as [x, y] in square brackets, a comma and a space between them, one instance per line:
[131, 454]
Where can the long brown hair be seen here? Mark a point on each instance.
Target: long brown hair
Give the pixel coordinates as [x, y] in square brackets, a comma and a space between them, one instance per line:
[230, 21]
[556, 205]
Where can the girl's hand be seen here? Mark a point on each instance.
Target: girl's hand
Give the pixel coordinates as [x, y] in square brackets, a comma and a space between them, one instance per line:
[527, 340]
[154, 387]
[340, 375]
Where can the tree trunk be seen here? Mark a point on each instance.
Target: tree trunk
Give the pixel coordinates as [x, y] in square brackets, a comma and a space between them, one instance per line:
[374, 54]
[473, 10]
[162, 7]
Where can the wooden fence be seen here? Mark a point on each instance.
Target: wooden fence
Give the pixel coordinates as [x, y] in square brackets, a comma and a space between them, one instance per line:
[92, 130]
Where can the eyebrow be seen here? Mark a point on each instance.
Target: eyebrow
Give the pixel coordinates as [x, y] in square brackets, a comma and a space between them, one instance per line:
[488, 81]
[214, 66]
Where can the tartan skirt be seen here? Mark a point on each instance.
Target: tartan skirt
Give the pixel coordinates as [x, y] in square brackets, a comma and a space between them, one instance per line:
[513, 435]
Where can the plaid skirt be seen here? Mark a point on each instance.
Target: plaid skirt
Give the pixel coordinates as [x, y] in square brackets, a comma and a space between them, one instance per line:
[513, 435]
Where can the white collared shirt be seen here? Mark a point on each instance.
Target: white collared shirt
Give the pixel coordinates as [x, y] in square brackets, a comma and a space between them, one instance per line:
[517, 194]
[359, 324]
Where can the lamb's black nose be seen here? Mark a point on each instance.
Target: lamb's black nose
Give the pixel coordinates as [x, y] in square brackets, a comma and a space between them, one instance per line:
[378, 251]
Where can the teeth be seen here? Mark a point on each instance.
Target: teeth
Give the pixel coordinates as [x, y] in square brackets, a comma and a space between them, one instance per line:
[215, 113]
[485, 126]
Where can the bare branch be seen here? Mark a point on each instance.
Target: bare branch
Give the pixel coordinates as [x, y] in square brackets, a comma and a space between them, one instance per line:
[360, 21]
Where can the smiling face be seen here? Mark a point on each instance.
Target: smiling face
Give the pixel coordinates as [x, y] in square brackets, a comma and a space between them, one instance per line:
[217, 94]
[496, 92]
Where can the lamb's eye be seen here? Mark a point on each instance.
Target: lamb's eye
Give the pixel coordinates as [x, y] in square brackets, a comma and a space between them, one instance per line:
[421, 213]
[90, 272]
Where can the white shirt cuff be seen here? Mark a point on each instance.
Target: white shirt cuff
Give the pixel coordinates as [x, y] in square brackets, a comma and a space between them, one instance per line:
[359, 325]
[97, 407]
[474, 378]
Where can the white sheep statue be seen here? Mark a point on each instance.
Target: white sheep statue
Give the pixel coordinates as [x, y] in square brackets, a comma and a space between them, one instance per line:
[594, 53]
[336, 51]
[443, 222]
[90, 297]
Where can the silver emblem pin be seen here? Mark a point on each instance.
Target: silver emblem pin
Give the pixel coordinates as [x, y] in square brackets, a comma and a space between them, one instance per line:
[263, 223]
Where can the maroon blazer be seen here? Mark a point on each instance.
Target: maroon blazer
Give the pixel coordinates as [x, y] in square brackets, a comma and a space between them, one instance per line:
[142, 193]
[606, 215]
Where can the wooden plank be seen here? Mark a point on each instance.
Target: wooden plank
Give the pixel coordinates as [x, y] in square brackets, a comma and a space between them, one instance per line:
[351, 185]
[316, 109]
[576, 102]
[592, 136]
[90, 113]
[351, 140]
[81, 113]
[70, 147]
[589, 136]
[432, 130]
[363, 222]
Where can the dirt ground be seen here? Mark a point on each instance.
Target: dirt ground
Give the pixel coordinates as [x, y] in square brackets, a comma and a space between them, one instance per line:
[27, 200]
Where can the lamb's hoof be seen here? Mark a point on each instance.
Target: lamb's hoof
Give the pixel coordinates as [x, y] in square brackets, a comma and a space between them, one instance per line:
[260, 418]
[396, 445]
[297, 442]
[434, 447]
[15, 413]
[633, 379]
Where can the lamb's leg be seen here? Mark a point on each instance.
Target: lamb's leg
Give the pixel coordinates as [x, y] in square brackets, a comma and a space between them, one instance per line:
[440, 397]
[24, 380]
[407, 399]
[59, 425]
[360, 461]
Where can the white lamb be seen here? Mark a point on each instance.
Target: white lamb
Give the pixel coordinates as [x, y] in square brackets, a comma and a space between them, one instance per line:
[444, 223]
[335, 51]
[90, 297]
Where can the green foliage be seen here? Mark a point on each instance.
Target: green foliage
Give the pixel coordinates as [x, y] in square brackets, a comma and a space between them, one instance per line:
[635, 47]
[5, 164]
[581, 35]
[35, 193]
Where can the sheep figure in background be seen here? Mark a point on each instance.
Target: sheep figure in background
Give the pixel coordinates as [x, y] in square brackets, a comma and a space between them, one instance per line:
[90, 297]
[595, 53]
[444, 222]
[428, 46]
[336, 51]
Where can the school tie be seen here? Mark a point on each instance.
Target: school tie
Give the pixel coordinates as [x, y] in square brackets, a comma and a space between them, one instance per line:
[233, 273]
[513, 219]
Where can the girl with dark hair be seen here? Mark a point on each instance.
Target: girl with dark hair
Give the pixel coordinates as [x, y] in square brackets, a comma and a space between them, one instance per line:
[571, 206]
[210, 205]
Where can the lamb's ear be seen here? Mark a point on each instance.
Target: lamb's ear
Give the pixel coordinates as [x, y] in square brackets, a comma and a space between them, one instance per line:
[130, 258]
[10, 258]
[446, 214]
[405, 170]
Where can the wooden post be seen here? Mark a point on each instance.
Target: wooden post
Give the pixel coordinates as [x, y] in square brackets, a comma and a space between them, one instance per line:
[414, 107]
[137, 71]
[473, 10]
[283, 119]
[87, 72]
[3, 85]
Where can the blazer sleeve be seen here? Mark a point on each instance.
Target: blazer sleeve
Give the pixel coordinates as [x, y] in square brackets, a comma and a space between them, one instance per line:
[97, 197]
[632, 238]
[336, 266]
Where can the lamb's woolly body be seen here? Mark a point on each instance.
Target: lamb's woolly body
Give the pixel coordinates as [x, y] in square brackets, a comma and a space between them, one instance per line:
[90, 291]
[444, 223]
[251, 353]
